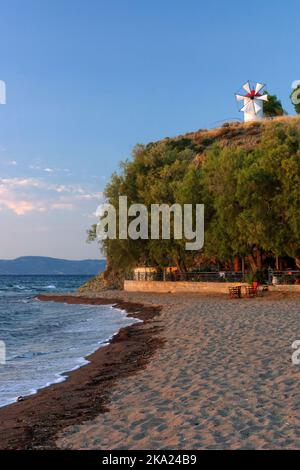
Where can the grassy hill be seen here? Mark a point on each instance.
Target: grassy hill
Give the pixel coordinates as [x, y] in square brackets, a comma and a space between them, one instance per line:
[232, 134]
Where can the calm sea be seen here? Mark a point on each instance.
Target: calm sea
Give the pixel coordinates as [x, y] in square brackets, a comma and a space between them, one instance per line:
[45, 339]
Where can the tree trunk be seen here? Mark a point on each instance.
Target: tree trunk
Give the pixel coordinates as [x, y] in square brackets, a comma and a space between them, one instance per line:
[177, 264]
[252, 263]
[258, 258]
[183, 266]
[180, 265]
[297, 261]
[236, 264]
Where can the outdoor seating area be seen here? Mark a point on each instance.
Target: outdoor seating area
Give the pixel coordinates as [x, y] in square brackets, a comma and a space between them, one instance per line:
[237, 292]
[238, 284]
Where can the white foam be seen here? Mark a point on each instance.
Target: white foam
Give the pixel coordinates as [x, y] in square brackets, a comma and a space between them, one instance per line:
[31, 374]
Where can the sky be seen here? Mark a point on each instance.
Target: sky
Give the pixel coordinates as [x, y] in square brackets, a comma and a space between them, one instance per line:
[87, 80]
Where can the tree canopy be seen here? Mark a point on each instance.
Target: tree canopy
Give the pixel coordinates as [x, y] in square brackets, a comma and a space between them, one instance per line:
[251, 196]
[273, 107]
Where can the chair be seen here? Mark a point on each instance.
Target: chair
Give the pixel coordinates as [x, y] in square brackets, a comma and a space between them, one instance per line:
[235, 292]
[260, 290]
[250, 291]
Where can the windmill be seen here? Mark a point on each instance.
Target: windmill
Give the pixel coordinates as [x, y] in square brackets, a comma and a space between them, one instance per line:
[252, 101]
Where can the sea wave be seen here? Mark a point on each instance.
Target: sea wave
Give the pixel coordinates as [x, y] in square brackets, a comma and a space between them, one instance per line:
[45, 340]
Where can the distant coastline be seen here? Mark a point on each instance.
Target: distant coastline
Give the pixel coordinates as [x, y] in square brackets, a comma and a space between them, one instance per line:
[42, 265]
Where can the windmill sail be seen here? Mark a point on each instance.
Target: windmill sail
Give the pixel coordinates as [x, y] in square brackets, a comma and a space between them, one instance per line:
[258, 87]
[246, 87]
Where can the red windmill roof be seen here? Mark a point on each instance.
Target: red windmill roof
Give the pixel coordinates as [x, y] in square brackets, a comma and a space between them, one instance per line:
[252, 94]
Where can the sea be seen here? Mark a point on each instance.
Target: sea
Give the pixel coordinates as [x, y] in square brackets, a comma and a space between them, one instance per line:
[41, 341]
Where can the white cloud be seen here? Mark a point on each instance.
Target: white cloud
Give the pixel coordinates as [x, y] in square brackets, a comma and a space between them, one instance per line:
[89, 197]
[47, 169]
[25, 195]
[62, 206]
[15, 182]
[19, 206]
[22, 207]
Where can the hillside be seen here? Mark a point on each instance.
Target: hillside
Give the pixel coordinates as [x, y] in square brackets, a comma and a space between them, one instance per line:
[231, 134]
[39, 265]
[248, 177]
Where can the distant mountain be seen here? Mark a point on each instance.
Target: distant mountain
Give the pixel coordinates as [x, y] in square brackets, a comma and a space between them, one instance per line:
[32, 265]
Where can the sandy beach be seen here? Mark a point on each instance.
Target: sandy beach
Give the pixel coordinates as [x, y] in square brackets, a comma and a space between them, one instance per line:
[214, 373]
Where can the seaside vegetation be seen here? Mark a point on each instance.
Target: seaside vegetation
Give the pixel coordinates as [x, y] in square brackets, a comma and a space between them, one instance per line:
[273, 107]
[248, 177]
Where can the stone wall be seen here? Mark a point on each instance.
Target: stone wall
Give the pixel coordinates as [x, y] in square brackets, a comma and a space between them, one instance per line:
[181, 286]
[201, 287]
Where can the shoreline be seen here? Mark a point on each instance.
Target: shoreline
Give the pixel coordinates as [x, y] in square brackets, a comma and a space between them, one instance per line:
[35, 422]
[201, 372]
[81, 360]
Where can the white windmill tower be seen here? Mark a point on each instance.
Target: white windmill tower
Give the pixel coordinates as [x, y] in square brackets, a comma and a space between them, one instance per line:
[252, 102]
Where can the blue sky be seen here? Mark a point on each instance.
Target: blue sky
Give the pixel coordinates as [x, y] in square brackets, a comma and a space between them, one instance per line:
[87, 80]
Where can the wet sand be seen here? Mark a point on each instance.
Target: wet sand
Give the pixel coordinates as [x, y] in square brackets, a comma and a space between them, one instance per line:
[35, 422]
[215, 374]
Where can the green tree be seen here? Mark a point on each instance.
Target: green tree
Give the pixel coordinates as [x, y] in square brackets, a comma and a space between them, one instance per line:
[251, 195]
[158, 173]
[273, 106]
[256, 196]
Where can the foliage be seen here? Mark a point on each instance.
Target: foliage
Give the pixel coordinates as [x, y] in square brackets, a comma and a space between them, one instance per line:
[251, 197]
[273, 107]
[260, 276]
[256, 195]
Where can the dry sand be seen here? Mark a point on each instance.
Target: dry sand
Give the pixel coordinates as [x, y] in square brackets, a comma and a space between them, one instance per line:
[223, 379]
